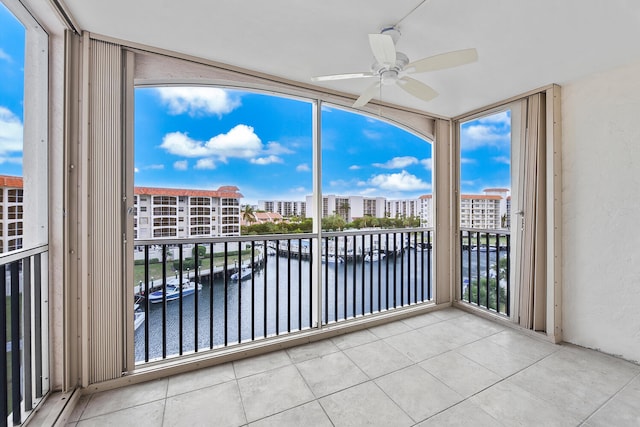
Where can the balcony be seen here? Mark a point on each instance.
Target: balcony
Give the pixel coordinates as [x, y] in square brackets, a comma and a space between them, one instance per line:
[440, 368]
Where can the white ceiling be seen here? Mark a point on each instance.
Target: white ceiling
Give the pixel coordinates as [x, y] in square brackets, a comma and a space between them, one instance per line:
[521, 44]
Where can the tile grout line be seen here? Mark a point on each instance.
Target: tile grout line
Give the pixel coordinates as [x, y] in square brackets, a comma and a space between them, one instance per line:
[637, 375]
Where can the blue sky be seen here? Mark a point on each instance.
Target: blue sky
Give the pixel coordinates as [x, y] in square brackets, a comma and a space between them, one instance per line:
[11, 93]
[205, 137]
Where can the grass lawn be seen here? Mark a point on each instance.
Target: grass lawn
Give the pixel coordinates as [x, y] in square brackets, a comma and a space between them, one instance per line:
[155, 269]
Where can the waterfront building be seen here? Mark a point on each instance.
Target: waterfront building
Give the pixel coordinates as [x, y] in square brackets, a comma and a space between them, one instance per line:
[286, 208]
[11, 213]
[349, 207]
[182, 213]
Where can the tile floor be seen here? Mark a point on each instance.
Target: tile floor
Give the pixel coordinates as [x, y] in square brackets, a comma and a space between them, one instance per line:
[442, 368]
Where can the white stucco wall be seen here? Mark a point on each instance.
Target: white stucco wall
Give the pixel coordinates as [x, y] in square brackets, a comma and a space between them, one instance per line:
[601, 212]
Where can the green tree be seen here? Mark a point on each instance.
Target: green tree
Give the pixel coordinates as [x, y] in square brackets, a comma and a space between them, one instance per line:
[248, 215]
[333, 222]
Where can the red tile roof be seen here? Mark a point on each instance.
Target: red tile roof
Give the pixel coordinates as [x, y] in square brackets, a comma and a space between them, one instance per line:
[480, 196]
[426, 196]
[11, 181]
[226, 191]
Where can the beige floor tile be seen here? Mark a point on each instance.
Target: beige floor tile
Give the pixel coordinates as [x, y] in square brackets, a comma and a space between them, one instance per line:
[260, 364]
[417, 392]
[622, 410]
[377, 358]
[518, 342]
[354, 339]
[476, 325]
[364, 404]
[495, 358]
[311, 350]
[460, 373]
[201, 378]
[422, 320]
[330, 373]
[126, 397]
[309, 414]
[149, 414]
[273, 391]
[415, 345]
[464, 414]
[447, 335]
[514, 406]
[218, 405]
[390, 329]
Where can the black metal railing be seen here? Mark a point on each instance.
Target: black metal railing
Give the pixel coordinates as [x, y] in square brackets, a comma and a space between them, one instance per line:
[194, 295]
[23, 364]
[365, 272]
[485, 268]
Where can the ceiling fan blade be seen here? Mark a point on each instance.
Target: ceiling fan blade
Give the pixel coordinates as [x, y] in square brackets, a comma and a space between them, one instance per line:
[444, 60]
[417, 89]
[366, 96]
[383, 48]
[342, 76]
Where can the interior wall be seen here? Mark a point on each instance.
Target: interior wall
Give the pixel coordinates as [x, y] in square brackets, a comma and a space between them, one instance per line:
[601, 209]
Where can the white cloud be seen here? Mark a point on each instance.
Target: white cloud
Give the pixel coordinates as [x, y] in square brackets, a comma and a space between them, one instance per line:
[181, 165]
[303, 167]
[466, 161]
[427, 163]
[498, 119]
[266, 160]
[205, 164]
[502, 159]
[354, 167]
[136, 170]
[476, 136]
[240, 142]
[370, 134]
[5, 56]
[197, 101]
[11, 134]
[338, 183]
[276, 148]
[368, 191]
[155, 167]
[397, 163]
[298, 190]
[401, 181]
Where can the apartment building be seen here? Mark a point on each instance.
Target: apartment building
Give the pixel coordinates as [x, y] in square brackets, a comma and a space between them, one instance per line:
[480, 211]
[11, 213]
[286, 208]
[182, 213]
[349, 207]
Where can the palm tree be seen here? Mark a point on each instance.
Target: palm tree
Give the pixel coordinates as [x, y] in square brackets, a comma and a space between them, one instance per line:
[247, 215]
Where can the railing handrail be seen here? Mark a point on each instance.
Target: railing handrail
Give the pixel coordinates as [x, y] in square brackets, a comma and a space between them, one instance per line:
[13, 256]
[289, 236]
[502, 231]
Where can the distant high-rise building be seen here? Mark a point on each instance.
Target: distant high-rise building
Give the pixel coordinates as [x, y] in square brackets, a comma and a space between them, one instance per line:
[183, 213]
[286, 208]
[11, 213]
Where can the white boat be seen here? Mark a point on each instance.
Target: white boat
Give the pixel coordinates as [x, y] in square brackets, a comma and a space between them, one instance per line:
[138, 319]
[244, 273]
[374, 256]
[271, 252]
[332, 259]
[173, 291]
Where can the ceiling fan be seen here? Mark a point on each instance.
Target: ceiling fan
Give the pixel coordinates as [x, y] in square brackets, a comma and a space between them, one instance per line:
[393, 67]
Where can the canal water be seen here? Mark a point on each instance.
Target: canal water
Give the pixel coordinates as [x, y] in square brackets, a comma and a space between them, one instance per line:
[349, 289]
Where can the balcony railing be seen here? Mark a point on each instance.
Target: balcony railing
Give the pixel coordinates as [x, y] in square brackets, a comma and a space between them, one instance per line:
[243, 289]
[485, 268]
[24, 363]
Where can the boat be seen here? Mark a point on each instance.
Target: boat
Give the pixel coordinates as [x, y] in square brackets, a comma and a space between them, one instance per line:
[374, 256]
[332, 259]
[244, 273]
[138, 319]
[173, 291]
